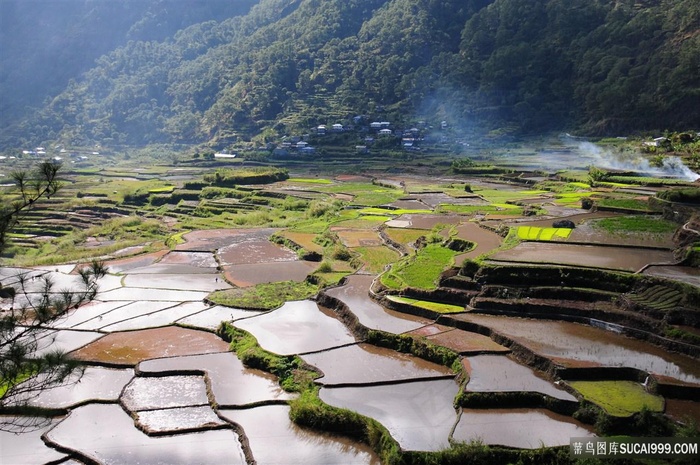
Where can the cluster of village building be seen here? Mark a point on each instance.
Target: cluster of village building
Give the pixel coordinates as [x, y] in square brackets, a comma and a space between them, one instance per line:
[410, 138]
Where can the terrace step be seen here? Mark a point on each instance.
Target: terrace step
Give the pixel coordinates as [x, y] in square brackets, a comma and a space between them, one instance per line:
[555, 308]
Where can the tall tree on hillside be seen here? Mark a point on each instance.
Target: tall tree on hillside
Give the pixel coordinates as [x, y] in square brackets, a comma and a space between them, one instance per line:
[29, 304]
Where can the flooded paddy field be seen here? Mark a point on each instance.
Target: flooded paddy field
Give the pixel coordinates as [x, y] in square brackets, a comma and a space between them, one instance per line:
[685, 274]
[274, 438]
[463, 342]
[107, 434]
[296, 328]
[614, 258]
[96, 383]
[249, 275]
[522, 428]
[499, 373]
[572, 344]
[131, 347]
[179, 388]
[365, 363]
[232, 384]
[422, 221]
[419, 415]
[354, 294]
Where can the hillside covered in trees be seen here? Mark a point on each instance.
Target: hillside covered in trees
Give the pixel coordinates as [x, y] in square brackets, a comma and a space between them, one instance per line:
[595, 66]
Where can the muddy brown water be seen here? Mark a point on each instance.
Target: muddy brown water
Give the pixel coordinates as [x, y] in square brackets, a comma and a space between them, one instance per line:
[686, 274]
[255, 251]
[616, 258]
[129, 348]
[273, 438]
[485, 239]
[297, 327]
[355, 295]
[212, 239]
[683, 410]
[365, 363]
[573, 344]
[419, 415]
[494, 373]
[522, 428]
[460, 341]
[107, 434]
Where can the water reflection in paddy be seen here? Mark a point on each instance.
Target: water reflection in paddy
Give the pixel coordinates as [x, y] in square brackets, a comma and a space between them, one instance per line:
[354, 294]
[231, 383]
[419, 415]
[105, 433]
[500, 373]
[173, 420]
[140, 294]
[526, 428]
[255, 251]
[570, 343]
[197, 282]
[212, 317]
[131, 347]
[297, 327]
[365, 363]
[168, 391]
[160, 318]
[125, 312]
[249, 275]
[96, 383]
[87, 312]
[27, 448]
[273, 438]
[460, 341]
[616, 258]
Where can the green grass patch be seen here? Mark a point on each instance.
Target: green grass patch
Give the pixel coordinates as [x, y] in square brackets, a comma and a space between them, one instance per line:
[393, 212]
[571, 198]
[363, 222]
[405, 235]
[375, 259]
[504, 196]
[291, 370]
[635, 224]
[310, 180]
[365, 193]
[619, 398]
[428, 305]
[267, 296]
[534, 233]
[481, 209]
[161, 190]
[420, 270]
[626, 204]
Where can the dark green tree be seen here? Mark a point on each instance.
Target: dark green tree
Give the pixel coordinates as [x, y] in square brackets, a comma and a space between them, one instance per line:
[31, 303]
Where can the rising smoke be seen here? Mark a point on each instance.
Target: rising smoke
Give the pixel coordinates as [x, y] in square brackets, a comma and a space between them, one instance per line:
[672, 167]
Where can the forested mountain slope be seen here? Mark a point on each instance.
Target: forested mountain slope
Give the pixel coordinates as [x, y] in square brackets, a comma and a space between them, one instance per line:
[45, 43]
[596, 65]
